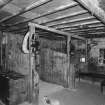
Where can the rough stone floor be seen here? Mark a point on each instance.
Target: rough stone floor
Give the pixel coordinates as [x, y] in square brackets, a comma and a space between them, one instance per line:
[85, 94]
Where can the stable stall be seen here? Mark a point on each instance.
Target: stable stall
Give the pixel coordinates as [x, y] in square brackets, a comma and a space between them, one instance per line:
[49, 40]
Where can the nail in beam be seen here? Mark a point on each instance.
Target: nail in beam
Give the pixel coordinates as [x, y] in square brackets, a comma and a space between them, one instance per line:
[24, 10]
[46, 14]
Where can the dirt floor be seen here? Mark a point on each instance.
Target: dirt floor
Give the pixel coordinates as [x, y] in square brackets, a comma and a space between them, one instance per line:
[86, 93]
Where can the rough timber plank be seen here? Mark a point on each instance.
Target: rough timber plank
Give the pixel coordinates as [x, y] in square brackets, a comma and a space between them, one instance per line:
[94, 9]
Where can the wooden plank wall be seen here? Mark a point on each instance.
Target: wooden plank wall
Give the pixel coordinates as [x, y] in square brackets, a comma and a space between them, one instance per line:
[16, 61]
[53, 63]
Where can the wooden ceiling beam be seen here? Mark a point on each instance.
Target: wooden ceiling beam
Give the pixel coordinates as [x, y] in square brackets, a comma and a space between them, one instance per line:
[90, 27]
[42, 34]
[51, 30]
[93, 36]
[24, 10]
[85, 29]
[86, 33]
[61, 8]
[65, 17]
[97, 33]
[73, 21]
[93, 9]
[80, 25]
[5, 3]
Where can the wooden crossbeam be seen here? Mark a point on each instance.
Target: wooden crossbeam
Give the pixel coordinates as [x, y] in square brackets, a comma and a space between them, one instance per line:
[24, 10]
[65, 17]
[84, 29]
[86, 32]
[78, 25]
[61, 8]
[5, 3]
[51, 30]
[97, 33]
[73, 21]
[89, 27]
[93, 9]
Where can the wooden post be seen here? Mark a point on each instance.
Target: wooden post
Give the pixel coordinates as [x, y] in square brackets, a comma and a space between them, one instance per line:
[33, 75]
[71, 69]
[1, 36]
[68, 57]
[86, 52]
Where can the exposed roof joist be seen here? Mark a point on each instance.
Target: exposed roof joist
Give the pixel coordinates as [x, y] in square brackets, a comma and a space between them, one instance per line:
[97, 33]
[24, 10]
[73, 21]
[61, 8]
[93, 36]
[84, 29]
[87, 31]
[69, 26]
[88, 27]
[79, 25]
[55, 31]
[96, 11]
[65, 17]
[4, 3]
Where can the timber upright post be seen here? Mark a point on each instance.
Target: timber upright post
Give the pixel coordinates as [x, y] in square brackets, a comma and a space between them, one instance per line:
[33, 75]
[1, 37]
[68, 58]
[86, 51]
[71, 69]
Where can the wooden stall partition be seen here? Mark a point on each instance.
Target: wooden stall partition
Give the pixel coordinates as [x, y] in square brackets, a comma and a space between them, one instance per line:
[53, 62]
[15, 68]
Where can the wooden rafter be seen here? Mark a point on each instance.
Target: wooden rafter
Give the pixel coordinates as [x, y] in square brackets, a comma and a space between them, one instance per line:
[93, 36]
[93, 9]
[65, 17]
[71, 28]
[24, 10]
[55, 31]
[5, 3]
[97, 33]
[78, 25]
[73, 21]
[87, 31]
[61, 8]
[90, 27]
